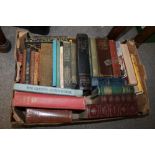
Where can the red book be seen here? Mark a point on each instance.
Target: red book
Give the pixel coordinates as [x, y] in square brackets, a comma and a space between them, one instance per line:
[114, 58]
[22, 99]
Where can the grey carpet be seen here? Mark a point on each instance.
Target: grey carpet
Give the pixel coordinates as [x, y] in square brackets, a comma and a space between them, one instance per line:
[147, 54]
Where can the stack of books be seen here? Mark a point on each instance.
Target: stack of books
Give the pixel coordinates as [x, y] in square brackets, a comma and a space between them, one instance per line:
[64, 80]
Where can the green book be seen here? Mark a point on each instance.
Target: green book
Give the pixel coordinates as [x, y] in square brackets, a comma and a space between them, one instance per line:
[58, 63]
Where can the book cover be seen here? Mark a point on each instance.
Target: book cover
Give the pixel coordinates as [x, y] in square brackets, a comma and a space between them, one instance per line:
[58, 63]
[32, 62]
[83, 66]
[61, 66]
[114, 58]
[48, 116]
[45, 65]
[36, 100]
[54, 46]
[104, 57]
[47, 90]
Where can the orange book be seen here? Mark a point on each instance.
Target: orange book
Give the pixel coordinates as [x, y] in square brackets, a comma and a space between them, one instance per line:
[36, 67]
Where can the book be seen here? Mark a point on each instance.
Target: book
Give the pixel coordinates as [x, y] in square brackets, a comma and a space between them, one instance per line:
[104, 57]
[73, 65]
[61, 66]
[32, 62]
[58, 64]
[48, 116]
[45, 65]
[67, 64]
[110, 106]
[36, 100]
[114, 58]
[129, 66]
[27, 73]
[54, 46]
[23, 67]
[94, 58]
[83, 66]
[47, 90]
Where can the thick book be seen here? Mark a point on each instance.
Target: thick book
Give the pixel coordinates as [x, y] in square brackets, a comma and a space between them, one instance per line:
[104, 57]
[32, 62]
[36, 100]
[94, 58]
[110, 106]
[61, 66]
[83, 66]
[54, 46]
[129, 66]
[58, 64]
[47, 90]
[48, 116]
[45, 66]
[114, 59]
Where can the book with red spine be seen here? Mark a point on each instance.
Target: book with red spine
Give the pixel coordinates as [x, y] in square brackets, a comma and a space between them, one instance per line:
[23, 99]
[114, 58]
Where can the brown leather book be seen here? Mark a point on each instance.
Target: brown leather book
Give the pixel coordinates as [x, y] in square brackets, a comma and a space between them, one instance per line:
[45, 66]
[48, 116]
[32, 67]
[104, 57]
[23, 67]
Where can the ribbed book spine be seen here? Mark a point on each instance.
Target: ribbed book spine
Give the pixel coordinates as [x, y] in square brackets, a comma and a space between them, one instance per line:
[54, 83]
[61, 66]
[28, 57]
[47, 90]
[58, 63]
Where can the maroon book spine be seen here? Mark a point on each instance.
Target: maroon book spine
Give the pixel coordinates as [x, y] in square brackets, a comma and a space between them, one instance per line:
[111, 106]
[104, 57]
[48, 116]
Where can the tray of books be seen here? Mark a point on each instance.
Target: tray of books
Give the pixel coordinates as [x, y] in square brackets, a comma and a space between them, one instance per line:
[66, 80]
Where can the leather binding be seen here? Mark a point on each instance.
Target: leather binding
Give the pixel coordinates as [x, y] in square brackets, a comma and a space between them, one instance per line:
[114, 58]
[61, 66]
[94, 57]
[36, 67]
[48, 116]
[111, 106]
[23, 67]
[58, 63]
[32, 62]
[45, 66]
[104, 57]
[28, 57]
[67, 64]
[129, 66]
[73, 65]
[83, 65]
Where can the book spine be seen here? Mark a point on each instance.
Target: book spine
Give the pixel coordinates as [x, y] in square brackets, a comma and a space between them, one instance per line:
[48, 116]
[27, 74]
[74, 66]
[83, 65]
[45, 65]
[104, 57]
[128, 64]
[58, 64]
[111, 106]
[94, 57]
[32, 62]
[24, 99]
[54, 83]
[23, 67]
[47, 90]
[67, 64]
[61, 66]
[90, 58]
[36, 67]
[114, 59]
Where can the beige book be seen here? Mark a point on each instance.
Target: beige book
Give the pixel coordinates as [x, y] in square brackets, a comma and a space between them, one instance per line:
[129, 66]
[61, 68]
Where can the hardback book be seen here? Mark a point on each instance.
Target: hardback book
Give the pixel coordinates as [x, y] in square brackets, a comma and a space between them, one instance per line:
[111, 106]
[32, 62]
[45, 65]
[129, 66]
[114, 59]
[58, 64]
[83, 66]
[48, 116]
[54, 46]
[36, 100]
[67, 64]
[61, 66]
[94, 58]
[47, 90]
[104, 57]
[73, 65]
[23, 71]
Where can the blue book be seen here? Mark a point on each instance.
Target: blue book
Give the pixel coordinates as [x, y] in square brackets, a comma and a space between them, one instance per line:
[58, 64]
[54, 47]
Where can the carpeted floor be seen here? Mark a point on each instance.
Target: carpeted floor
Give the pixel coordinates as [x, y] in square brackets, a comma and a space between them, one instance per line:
[147, 54]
